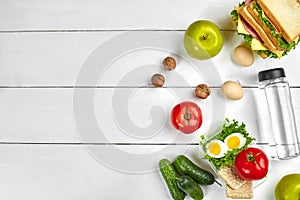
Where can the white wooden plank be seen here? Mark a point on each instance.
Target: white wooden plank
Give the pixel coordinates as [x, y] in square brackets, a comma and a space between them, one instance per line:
[71, 172]
[111, 14]
[55, 59]
[54, 172]
[54, 115]
[44, 61]
[49, 114]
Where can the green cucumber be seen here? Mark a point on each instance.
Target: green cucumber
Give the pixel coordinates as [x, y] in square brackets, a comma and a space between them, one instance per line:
[170, 176]
[184, 166]
[190, 187]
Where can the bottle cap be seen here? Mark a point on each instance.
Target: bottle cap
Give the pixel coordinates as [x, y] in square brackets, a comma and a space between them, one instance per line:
[271, 74]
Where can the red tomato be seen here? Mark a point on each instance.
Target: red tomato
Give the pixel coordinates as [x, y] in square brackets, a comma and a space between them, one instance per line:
[252, 164]
[186, 117]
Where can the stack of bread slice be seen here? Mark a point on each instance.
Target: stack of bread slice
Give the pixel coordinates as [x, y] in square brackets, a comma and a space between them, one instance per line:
[236, 188]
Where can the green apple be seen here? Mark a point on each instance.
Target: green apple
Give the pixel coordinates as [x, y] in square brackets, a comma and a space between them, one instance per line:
[203, 40]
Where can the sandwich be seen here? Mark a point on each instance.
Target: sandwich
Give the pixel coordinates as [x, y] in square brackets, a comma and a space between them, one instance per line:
[270, 27]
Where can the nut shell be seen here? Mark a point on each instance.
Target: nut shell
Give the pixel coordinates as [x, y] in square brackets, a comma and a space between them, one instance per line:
[202, 91]
[169, 63]
[158, 80]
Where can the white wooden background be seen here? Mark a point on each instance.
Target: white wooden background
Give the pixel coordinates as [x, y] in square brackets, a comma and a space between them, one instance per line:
[43, 45]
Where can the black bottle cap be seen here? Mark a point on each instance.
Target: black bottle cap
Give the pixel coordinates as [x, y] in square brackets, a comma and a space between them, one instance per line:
[271, 74]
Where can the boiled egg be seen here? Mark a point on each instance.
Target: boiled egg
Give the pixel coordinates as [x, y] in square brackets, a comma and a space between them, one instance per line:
[216, 149]
[235, 140]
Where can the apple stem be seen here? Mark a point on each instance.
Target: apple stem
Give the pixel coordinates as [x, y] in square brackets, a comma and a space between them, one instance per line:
[204, 37]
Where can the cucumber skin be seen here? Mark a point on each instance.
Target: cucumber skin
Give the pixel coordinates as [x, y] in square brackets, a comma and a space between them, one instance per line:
[190, 187]
[184, 166]
[169, 175]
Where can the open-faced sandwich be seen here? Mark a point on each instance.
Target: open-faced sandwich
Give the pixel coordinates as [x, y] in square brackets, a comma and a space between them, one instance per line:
[270, 27]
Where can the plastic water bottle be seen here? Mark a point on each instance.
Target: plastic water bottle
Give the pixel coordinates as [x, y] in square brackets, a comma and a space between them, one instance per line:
[278, 97]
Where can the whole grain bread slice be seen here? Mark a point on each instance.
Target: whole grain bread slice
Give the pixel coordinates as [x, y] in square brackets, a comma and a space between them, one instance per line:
[244, 192]
[231, 178]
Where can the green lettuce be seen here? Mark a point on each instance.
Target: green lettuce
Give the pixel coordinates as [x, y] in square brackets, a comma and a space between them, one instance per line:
[248, 38]
[234, 15]
[268, 53]
[228, 128]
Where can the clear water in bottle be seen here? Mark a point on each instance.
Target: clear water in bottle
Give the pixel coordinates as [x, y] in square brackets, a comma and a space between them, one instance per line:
[281, 113]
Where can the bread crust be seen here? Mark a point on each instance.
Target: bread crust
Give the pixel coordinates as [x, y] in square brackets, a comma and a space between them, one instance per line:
[285, 15]
[267, 30]
[248, 17]
[262, 55]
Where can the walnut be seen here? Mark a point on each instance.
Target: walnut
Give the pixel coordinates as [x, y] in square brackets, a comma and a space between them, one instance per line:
[158, 80]
[202, 91]
[169, 63]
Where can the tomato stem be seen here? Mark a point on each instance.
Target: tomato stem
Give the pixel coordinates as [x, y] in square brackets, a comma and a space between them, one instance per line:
[251, 157]
[187, 116]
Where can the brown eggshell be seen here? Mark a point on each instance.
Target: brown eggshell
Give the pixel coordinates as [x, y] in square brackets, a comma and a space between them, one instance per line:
[232, 90]
[243, 56]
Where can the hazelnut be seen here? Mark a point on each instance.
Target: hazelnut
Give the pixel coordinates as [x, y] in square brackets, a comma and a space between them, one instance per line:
[202, 91]
[169, 63]
[158, 80]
